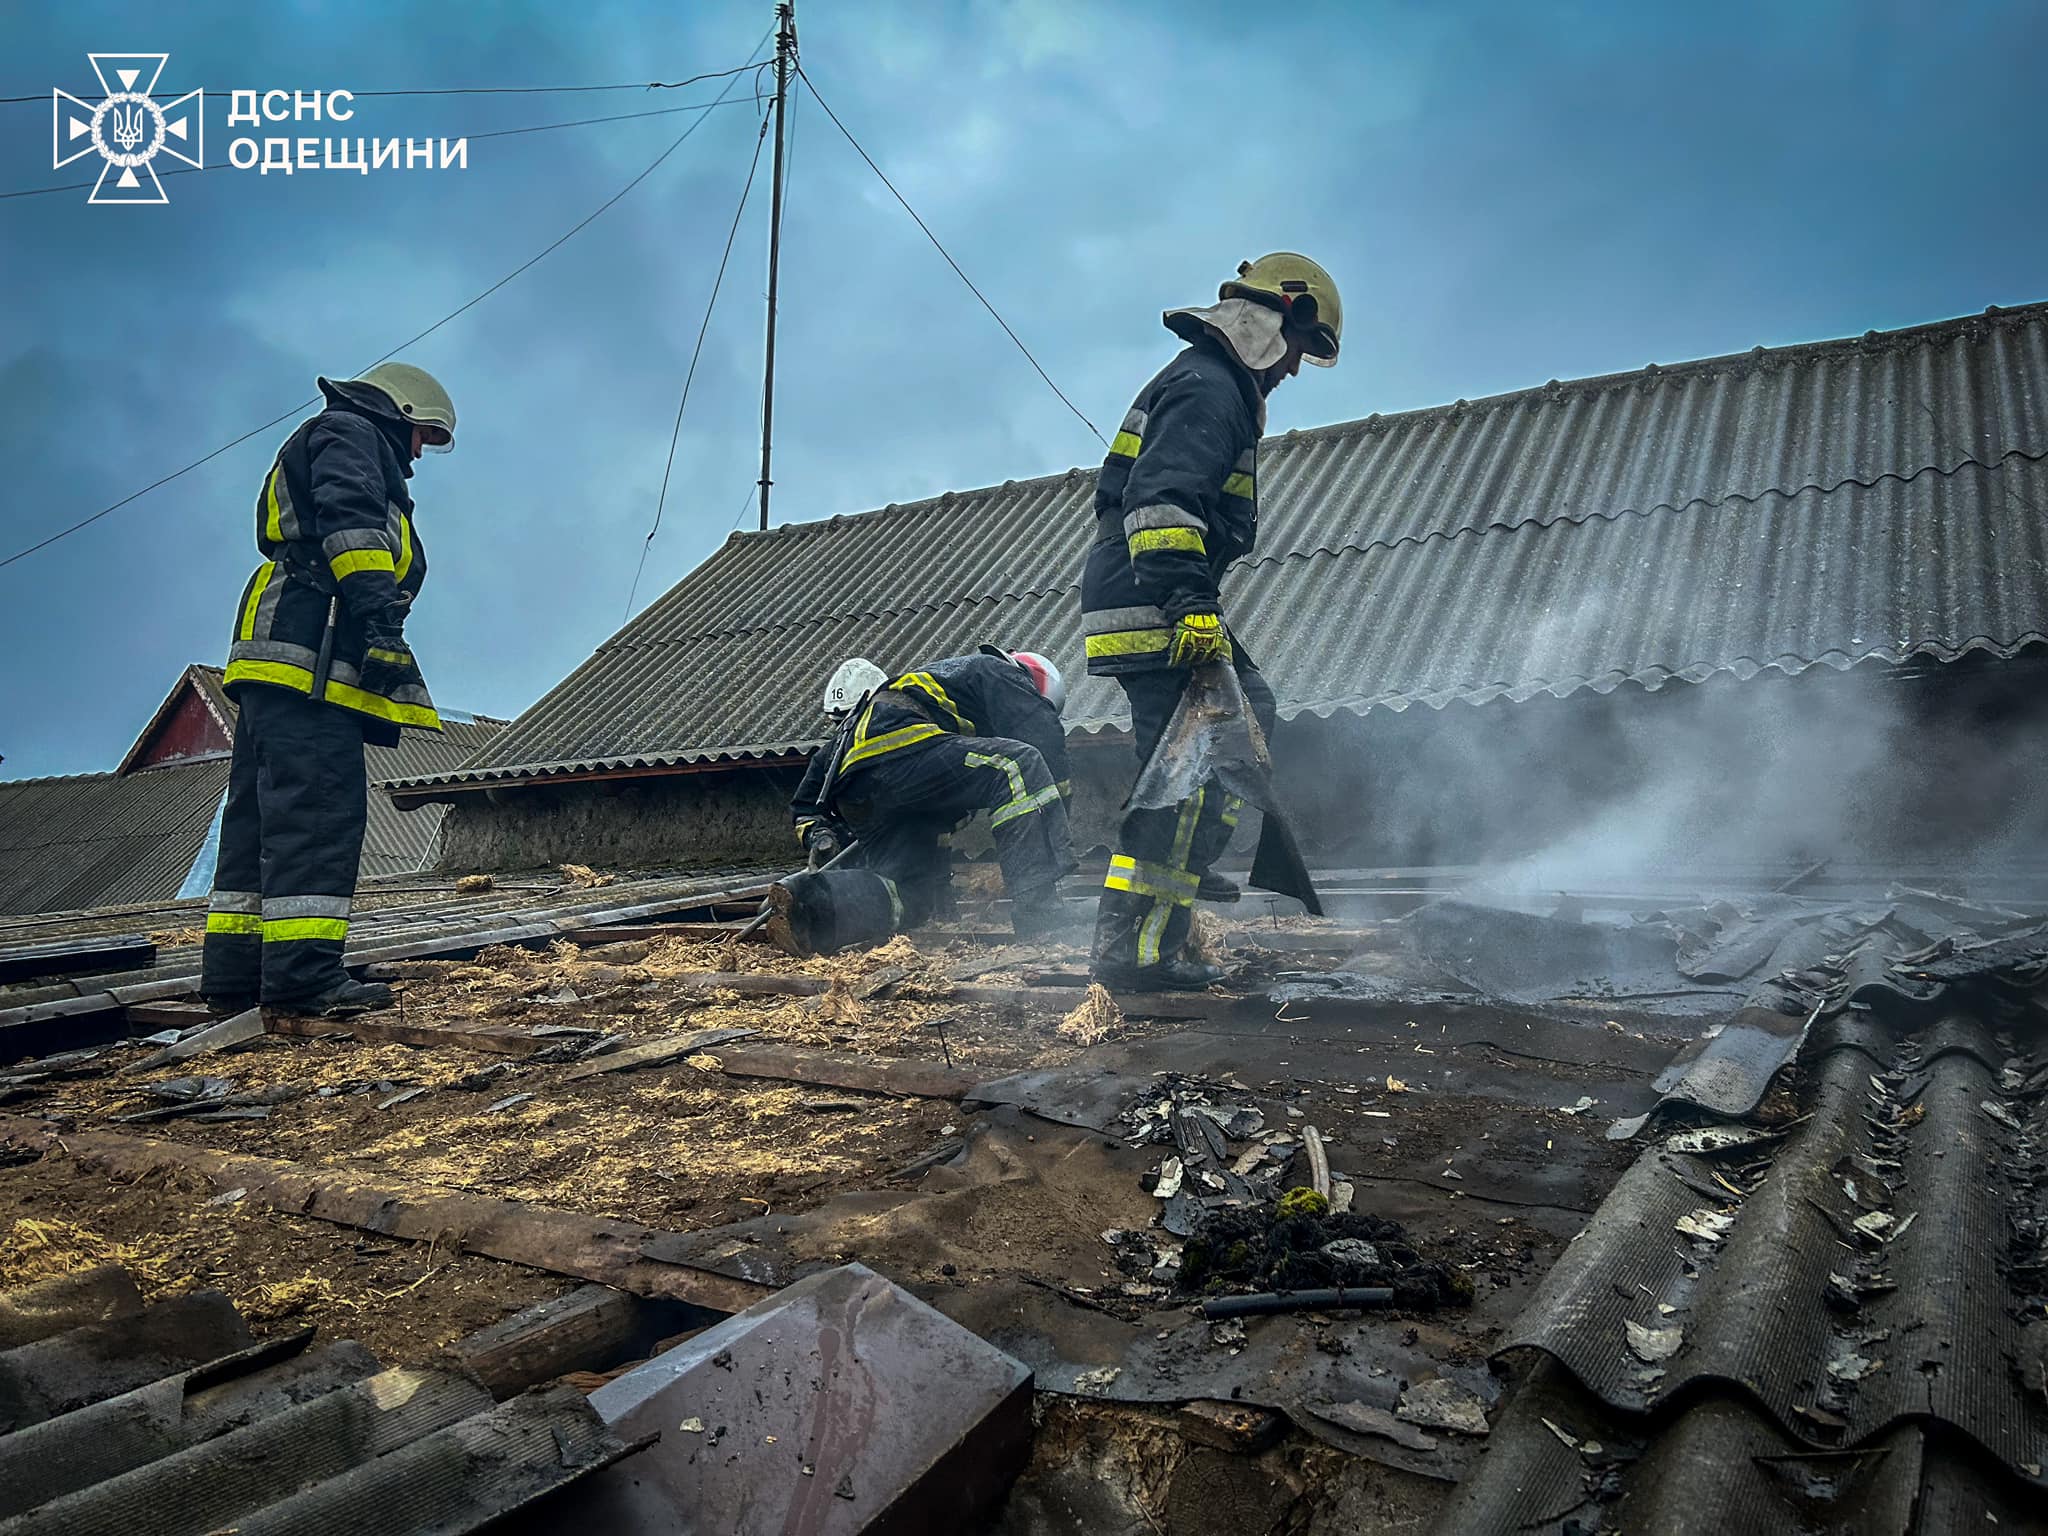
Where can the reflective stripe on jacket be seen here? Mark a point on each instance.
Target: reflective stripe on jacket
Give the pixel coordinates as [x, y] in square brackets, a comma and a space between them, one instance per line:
[1177, 501]
[334, 520]
[978, 695]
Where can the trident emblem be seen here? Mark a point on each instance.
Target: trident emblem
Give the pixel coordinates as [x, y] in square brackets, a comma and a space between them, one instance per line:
[126, 122]
[128, 129]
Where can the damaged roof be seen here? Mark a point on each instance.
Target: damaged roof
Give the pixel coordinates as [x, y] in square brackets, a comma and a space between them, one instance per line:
[110, 839]
[1873, 498]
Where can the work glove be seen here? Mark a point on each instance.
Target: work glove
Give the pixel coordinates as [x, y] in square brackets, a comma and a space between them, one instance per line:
[820, 839]
[1198, 639]
[388, 664]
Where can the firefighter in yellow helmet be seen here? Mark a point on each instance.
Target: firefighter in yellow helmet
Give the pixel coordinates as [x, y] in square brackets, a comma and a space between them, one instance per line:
[1176, 503]
[318, 666]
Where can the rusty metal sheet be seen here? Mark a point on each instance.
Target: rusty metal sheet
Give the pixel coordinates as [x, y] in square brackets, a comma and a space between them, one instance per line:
[841, 1405]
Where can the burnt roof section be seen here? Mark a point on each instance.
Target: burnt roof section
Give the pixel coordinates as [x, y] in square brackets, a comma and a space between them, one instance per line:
[1831, 1324]
[1870, 498]
[112, 839]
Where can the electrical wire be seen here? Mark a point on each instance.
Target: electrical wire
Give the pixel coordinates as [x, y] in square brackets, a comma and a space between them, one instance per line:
[818, 97]
[675, 436]
[495, 90]
[578, 228]
[496, 133]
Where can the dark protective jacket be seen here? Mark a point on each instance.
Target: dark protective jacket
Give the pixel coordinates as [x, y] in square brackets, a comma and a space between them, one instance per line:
[978, 695]
[1176, 503]
[334, 519]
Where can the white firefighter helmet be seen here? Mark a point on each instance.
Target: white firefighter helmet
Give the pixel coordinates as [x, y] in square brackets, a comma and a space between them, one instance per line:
[1045, 677]
[854, 678]
[416, 397]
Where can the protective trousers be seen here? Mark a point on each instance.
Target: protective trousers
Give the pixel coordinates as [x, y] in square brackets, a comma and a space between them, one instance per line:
[901, 804]
[291, 838]
[1148, 899]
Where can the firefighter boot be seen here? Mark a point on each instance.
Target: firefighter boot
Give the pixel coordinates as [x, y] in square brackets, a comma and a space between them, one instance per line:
[1119, 929]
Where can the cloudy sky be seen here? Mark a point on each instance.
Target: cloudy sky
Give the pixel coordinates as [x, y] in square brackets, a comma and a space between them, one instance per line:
[1507, 193]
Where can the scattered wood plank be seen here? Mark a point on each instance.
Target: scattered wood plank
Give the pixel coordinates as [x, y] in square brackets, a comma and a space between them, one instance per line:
[561, 1242]
[1151, 1005]
[593, 1328]
[655, 1053]
[146, 1018]
[880, 981]
[635, 933]
[74, 957]
[1239, 1427]
[239, 1030]
[825, 1069]
[749, 984]
[492, 1039]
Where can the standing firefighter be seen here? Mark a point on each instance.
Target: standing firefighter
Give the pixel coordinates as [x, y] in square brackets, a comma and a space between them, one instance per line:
[1176, 503]
[319, 666]
[915, 755]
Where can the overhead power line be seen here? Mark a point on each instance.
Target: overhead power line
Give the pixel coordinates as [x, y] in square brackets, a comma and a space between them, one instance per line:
[495, 133]
[494, 90]
[674, 144]
[675, 436]
[818, 97]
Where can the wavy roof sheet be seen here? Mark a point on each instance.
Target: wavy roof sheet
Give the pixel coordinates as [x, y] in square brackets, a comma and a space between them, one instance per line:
[1876, 497]
[109, 839]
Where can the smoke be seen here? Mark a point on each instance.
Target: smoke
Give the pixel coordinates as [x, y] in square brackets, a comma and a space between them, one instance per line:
[1880, 772]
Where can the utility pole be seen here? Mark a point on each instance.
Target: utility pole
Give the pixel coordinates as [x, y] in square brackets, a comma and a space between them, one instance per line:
[785, 57]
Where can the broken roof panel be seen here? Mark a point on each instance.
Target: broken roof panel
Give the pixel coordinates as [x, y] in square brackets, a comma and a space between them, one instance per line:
[1872, 498]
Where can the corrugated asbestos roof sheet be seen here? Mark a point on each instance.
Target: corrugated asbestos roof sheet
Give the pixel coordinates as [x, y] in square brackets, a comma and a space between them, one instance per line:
[172, 1417]
[1834, 1325]
[103, 839]
[1872, 498]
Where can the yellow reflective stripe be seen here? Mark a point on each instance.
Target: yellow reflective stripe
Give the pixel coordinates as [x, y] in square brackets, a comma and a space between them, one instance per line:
[233, 922]
[1129, 642]
[1156, 880]
[926, 684]
[281, 673]
[1127, 445]
[279, 930]
[404, 547]
[1239, 485]
[889, 742]
[273, 525]
[420, 716]
[350, 561]
[394, 658]
[1146, 540]
[284, 675]
[247, 630]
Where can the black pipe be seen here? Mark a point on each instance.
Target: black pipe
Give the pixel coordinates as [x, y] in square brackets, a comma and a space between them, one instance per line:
[1261, 1303]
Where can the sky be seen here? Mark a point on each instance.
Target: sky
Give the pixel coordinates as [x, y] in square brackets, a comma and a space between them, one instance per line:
[1505, 193]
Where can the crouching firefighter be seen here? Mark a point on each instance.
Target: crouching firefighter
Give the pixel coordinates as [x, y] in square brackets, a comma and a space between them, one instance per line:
[1177, 502]
[319, 666]
[914, 756]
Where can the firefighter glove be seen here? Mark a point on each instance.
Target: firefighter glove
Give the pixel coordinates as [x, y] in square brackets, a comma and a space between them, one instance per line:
[820, 839]
[1198, 638]
[387, 668]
